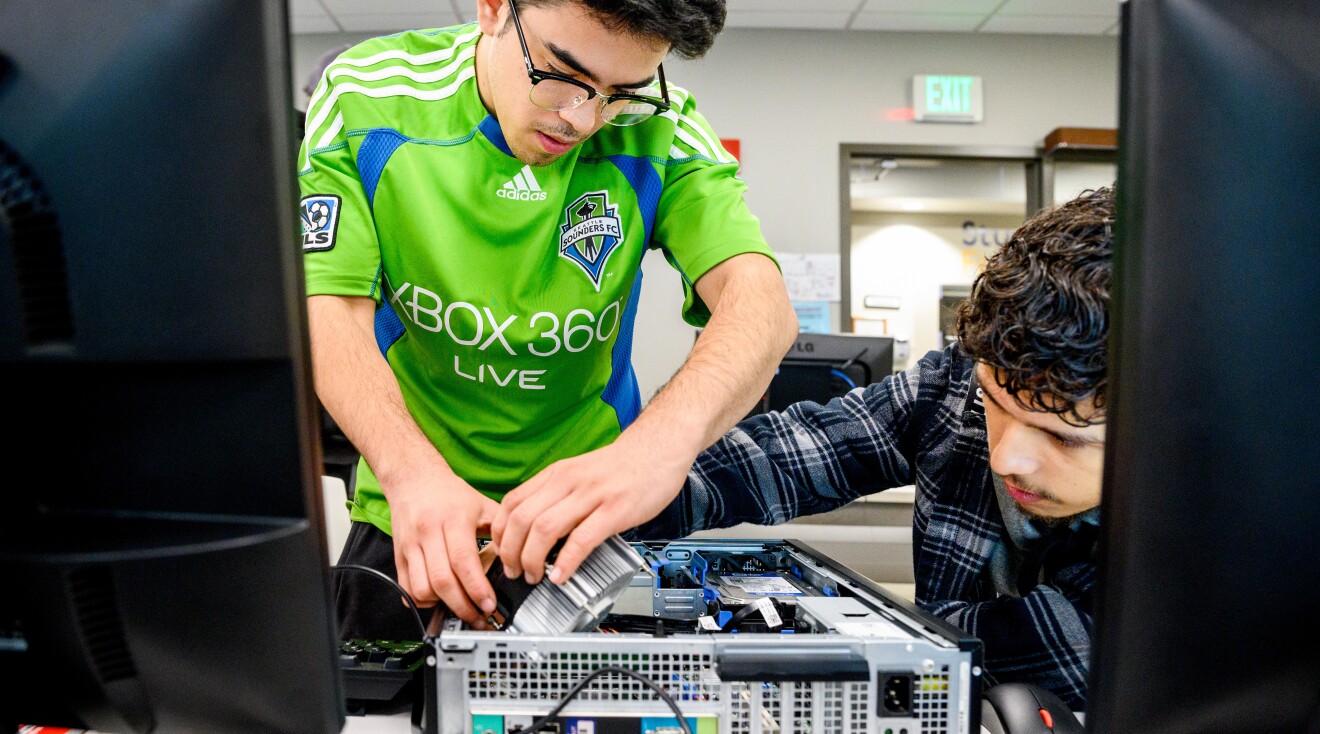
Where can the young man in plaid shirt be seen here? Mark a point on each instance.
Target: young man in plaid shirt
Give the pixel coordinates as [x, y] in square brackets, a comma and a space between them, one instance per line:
[1002, 434]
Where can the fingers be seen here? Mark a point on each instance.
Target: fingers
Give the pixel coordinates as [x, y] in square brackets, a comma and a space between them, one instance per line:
[430, 575]
[512, 500]
[518, 524]
[546, 530]
[490, 509]
[445, 585]
[411, 565]
[590, 533]
[471, 579]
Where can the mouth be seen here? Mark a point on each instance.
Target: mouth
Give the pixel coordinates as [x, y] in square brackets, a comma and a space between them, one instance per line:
[1022, 496]
[552, 144]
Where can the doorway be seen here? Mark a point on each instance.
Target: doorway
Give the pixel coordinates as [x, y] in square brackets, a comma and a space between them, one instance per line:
[918, 223]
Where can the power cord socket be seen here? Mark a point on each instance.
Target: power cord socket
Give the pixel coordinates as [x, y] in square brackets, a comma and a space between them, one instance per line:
[895, 697]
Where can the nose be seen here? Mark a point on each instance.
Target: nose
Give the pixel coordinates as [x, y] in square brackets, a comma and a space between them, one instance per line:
[583, 117]
[1016, 452]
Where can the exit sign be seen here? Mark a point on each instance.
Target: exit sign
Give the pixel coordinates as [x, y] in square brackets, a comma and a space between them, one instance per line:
[946, 98]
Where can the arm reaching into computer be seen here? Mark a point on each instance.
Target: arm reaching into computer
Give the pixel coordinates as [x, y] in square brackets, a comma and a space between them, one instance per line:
[806, 460]
[590, 497]
[925, 426]
[435, 515]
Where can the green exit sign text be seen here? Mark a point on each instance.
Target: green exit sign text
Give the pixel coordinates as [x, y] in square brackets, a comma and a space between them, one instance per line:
[946, 98]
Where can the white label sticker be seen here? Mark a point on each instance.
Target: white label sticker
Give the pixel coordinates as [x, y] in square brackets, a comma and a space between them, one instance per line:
[769, 584]
[707, 622]
[771, 616]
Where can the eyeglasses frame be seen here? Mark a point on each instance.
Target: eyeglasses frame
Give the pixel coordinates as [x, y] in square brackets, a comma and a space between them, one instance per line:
[537, 76]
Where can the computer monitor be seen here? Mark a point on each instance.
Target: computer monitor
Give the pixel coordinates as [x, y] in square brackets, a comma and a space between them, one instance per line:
[820, 367]
[162, 557]
[1210, 568]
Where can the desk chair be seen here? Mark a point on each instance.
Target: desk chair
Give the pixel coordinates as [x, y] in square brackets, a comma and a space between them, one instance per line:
[336, 516]
[340, 460]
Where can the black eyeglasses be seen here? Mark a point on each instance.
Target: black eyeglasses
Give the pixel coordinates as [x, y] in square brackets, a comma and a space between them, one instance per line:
[556, 92]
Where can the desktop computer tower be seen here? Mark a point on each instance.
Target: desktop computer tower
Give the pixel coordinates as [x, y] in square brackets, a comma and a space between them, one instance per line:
[743, 636]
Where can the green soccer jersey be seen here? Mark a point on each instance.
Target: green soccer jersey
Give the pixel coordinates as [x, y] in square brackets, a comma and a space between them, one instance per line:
[506, 293]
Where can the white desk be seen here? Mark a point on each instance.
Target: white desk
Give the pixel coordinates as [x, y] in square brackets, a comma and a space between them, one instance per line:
[379, 724]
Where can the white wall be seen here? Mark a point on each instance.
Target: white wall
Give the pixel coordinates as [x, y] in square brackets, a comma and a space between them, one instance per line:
[793, 97]
[304, 52]
[909, 256]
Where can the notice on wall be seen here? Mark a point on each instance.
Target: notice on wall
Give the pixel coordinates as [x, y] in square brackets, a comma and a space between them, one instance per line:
[811, 277]
[813, 316]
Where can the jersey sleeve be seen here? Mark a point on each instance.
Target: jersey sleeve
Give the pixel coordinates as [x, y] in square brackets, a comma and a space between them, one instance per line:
[702, 219]
[341, 255]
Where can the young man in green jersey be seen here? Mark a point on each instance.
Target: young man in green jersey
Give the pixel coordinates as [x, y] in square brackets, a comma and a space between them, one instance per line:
[476, 204]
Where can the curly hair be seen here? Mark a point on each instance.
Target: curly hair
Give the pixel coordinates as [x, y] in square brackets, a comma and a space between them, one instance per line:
[1037, 313]
[688, 26]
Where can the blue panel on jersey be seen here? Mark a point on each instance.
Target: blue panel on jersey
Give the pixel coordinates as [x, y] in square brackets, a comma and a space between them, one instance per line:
[490, 127]
[621, 392]
[375, 152]
[645, 183]
[389, 328]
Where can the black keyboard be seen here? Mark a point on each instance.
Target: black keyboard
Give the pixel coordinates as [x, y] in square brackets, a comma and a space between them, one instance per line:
[378, 670]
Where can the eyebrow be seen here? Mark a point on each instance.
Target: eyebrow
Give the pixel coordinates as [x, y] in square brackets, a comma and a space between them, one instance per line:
[1065, 437]
[571, 61]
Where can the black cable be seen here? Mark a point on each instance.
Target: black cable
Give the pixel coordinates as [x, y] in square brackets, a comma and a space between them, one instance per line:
[417, 614]
[554, 712]
[857, 360]
[745, 612]
[645, 623]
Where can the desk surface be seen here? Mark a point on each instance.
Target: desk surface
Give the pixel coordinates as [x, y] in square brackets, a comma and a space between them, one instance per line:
[379, 724]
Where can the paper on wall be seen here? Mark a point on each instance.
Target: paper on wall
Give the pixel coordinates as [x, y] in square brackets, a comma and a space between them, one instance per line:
[811, 277]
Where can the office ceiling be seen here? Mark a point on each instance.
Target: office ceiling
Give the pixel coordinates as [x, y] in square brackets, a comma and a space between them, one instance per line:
[1069, 17]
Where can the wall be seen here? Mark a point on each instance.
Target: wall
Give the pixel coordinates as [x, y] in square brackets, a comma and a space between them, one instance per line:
[909, 256]
[793, 97]
[307, 49]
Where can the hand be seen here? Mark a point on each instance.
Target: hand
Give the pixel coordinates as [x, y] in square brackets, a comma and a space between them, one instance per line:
[588, 498]
[435, 546]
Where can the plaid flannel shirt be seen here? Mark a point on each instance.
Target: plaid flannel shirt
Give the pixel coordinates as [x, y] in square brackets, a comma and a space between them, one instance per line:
[925, 427]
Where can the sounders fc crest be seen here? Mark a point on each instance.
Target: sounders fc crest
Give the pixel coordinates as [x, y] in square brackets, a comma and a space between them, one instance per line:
[591, 232]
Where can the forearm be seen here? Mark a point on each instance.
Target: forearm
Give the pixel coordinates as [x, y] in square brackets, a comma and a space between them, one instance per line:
[761, 472]
[357, 387]
[703, 506]
[587, 498]
[751, 327]
[811, 458]
[1042, 638]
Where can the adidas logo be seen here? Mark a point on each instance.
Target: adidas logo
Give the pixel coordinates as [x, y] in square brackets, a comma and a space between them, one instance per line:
[523, 187]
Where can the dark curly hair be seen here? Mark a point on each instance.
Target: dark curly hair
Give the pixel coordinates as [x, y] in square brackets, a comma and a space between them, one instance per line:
[1037, 313]
[688, 26]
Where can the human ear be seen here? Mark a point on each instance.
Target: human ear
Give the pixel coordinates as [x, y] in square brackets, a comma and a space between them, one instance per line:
[491, 16]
